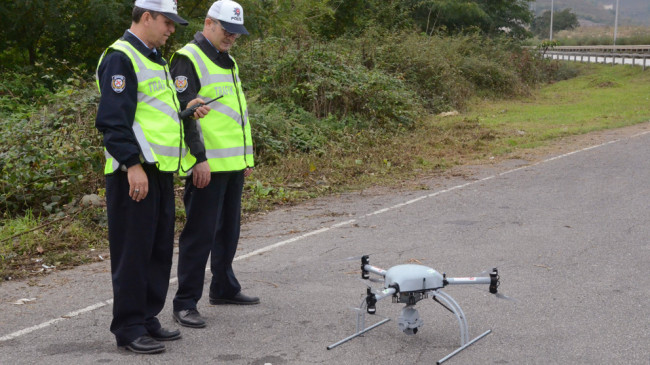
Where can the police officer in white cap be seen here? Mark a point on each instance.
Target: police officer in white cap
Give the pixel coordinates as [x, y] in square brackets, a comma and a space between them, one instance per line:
[138, 117]
[220, 157]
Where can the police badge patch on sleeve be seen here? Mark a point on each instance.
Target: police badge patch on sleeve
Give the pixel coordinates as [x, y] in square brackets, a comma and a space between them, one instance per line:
[119, 83]
[181, 83]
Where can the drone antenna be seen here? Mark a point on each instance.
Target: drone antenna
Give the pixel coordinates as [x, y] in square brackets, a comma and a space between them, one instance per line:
[435, 299]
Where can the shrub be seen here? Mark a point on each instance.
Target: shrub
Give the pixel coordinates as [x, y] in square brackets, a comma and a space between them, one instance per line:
[305, 94]
[277, 132]
[323, 82]
[50, 155]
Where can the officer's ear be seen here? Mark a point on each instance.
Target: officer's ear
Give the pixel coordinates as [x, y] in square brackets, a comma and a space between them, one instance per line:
[147, 17]
[210, 23]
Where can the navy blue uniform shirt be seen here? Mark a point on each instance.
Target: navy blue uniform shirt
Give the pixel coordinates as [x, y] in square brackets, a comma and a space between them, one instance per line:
[116, 110]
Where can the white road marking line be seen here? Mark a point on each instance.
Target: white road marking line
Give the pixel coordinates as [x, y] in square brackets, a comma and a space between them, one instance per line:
[319, 231]
[55, 320]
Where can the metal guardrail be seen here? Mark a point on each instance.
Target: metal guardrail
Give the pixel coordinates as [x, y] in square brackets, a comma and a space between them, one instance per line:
[614, 55]
[604, 49]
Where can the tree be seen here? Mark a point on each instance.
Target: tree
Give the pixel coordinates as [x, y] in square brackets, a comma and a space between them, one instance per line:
[73, 30]
[491, 17]
[562, 20]
[507, 17]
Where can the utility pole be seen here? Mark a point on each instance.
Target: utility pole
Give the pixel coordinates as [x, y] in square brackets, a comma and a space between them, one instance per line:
[616, 23]
[552, 10]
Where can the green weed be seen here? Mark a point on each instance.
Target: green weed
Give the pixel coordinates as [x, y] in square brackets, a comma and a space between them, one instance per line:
[32, 245]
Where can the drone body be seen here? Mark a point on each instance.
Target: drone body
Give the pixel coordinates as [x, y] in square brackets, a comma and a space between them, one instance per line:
[413, 278]
[409, 284]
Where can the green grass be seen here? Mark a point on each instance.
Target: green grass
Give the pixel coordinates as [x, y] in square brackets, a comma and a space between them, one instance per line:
[603, 97]
[31, 245]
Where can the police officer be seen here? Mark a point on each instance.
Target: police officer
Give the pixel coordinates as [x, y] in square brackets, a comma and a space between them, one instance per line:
[138, 117]
[221, 155]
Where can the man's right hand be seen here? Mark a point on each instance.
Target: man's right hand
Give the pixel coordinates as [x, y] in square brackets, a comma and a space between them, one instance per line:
[201, 174]
[202, 111]
[138, 182]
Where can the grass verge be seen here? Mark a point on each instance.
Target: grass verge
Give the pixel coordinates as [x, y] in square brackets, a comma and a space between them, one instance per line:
[602, 97]
[31, 246]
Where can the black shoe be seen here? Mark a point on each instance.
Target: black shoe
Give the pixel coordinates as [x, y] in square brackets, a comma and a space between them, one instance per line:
[145, 345]
[189, 318]
[239, 299]
[163, 334]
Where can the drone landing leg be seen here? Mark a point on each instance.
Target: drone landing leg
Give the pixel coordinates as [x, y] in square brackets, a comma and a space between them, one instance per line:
[463, 347]
[453, 306]
[358, 334]
[458, 312]
[361, 325]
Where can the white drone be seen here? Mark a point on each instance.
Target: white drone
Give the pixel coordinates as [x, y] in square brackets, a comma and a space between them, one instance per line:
[409, 284]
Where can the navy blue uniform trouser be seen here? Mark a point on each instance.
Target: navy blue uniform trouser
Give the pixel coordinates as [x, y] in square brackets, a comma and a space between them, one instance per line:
[212, 228]
[141, 237]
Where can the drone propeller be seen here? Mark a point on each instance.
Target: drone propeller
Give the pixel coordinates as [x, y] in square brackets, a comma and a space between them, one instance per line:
[502, 296]
[352, 258]
[366, 284]
[498, 295]
[374, 290]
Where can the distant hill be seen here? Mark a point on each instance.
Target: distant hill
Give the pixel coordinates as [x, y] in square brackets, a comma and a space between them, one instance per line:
[631, 12]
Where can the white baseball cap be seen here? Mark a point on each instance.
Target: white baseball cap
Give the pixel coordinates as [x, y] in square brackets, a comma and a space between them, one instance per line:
[166, 7]
[230, 14]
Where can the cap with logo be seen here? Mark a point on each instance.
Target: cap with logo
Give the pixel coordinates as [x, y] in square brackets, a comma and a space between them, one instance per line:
[230, 14]
[166, 7]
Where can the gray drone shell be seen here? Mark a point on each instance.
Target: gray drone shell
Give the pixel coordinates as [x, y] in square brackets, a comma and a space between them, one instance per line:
[412, 277]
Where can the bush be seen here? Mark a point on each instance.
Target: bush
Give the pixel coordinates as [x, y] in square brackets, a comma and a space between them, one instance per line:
[50, 155]
[310, 94]
[427, 64]
[277, 132]
[318, 79]
[491, 76]
[19, 89]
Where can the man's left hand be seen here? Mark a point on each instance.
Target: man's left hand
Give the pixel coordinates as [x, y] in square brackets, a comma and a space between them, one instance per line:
[201, 174]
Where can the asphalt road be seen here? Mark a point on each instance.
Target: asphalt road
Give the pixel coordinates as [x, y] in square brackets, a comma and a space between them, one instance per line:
[569, 235]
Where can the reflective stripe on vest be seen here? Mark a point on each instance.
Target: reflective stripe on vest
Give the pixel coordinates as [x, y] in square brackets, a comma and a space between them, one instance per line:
[156, 126]
[225, 132]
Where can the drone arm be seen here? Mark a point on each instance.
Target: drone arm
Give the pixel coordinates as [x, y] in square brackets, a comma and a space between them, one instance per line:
[372, 298]
[386, 293]
[462, 281]
[366, 268]
[374, 270]
[492, 280]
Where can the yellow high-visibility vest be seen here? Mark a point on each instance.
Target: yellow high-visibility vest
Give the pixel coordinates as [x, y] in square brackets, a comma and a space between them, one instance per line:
[157, 126]
[225, 131]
